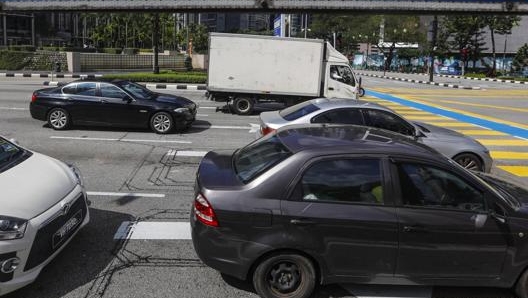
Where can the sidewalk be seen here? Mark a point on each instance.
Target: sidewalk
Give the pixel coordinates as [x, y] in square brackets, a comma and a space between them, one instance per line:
[422, 78]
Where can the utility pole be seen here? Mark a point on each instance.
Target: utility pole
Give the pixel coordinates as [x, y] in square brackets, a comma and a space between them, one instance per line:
[434, 30]
[156, 41]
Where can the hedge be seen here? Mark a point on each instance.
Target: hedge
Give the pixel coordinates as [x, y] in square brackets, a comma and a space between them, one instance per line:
[163, 77]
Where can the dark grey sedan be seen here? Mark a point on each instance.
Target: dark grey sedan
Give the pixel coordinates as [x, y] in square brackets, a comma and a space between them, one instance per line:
[463, 149]
[319, 204]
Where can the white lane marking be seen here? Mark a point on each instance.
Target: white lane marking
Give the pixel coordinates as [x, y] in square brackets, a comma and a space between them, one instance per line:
[120, 140]
[125, 194]
[154, 230]
[186, 153]
[251, 129]
[202, 115]
[386, 291]
[16, 109]
[209, 108]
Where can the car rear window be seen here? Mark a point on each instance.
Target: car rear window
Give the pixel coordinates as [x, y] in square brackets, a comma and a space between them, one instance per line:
[259, 156]
[297, 111]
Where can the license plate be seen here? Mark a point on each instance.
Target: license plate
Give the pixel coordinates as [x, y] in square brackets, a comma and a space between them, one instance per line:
[63, 232]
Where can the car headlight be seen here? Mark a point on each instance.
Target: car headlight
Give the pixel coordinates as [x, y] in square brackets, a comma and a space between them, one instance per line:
[12, 228]
[77, 174]
[181, 110]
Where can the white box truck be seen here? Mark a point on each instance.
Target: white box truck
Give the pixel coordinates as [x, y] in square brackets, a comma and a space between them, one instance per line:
[247, 70]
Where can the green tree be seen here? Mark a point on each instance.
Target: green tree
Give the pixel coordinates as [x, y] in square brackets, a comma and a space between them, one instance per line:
[501, 25]
[521, 58]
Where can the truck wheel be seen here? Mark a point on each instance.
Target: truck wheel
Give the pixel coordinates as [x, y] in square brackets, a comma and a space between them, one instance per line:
[285, 276]
[243, 105]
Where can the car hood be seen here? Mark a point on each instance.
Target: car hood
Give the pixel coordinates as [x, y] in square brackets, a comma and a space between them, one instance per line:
[34, 185]
[216, 170]
[181, 101]
[440, 132]
[509, 189]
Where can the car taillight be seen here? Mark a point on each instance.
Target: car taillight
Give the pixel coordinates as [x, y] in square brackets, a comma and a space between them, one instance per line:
[264, 130]
[33, 97]
[204, 211]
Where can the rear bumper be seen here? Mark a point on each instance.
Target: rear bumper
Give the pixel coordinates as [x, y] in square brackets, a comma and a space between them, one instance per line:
[38, 111]
[218, 251]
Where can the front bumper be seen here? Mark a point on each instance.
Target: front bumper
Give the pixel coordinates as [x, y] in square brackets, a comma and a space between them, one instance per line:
[46, 235]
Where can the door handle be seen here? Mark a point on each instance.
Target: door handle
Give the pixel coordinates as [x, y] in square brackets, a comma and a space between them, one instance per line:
[103, 101]
[330, 88]
[302, 222]
[410, 229]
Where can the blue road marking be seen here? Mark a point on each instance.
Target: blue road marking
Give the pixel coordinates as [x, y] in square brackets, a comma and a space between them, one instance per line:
[505, 128]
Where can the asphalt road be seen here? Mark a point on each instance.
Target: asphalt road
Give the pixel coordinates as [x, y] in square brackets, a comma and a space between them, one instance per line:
[142, 183]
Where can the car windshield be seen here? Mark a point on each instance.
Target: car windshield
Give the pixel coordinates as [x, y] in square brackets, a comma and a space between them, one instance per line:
[297, 111]
[137, 90]
[8, 152]
[258, 157]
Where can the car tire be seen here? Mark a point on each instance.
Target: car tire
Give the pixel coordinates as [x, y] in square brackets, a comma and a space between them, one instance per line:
[361, 92]
[469, 161]
[243, 105]
[161, 123]
[59, 119]
[285, 275]
[521, 288]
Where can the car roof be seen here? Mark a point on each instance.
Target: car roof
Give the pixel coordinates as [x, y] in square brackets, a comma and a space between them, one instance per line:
[333, 103]
[338, 138]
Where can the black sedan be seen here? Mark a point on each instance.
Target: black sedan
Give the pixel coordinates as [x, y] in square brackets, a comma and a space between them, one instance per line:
[318, 204]
[115, 103]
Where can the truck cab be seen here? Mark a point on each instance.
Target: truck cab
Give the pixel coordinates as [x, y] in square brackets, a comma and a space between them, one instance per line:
[340, 81]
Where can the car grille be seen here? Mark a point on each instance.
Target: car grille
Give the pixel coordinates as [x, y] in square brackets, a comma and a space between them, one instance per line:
[55, 233]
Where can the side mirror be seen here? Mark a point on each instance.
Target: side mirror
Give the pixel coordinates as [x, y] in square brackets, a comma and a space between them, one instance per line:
[128, 99]
[500, 218]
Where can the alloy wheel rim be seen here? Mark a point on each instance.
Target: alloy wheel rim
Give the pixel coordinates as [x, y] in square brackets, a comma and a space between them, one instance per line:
[161, 123]
[468, 163]
[58, 119]
[284, 277]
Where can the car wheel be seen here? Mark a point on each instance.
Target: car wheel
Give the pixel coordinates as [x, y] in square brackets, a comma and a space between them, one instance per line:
[161, 123]
[469, 161]
[59, 119]
[521, 288]
[243, 105]
[284, 275]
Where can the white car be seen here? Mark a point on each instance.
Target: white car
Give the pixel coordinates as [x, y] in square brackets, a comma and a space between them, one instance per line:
[43, 204]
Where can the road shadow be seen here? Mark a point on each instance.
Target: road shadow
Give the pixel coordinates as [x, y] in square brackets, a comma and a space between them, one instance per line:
[190, 130]
[81, 261]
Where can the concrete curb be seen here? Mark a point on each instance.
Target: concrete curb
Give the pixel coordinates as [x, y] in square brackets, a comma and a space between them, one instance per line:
[422, 82]
[47, 75]
[149, 86]
[470, 78]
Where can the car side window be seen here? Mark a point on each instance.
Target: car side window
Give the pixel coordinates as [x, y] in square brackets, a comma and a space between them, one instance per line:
[388, 121]
[426, 186]
[108, 90]
[342, 116]
[87, 89]
[70, 89]
[343, 180]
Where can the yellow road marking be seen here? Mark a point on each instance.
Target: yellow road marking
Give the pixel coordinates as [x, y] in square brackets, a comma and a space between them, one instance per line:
[426, 118]
[462, 112]
[509, 155]
[486, 106]
[406, 112]
[481, 132]
[521, 171]
[500, 142]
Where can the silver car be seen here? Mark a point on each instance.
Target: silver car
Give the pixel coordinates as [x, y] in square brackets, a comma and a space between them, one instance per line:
[463, 149]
